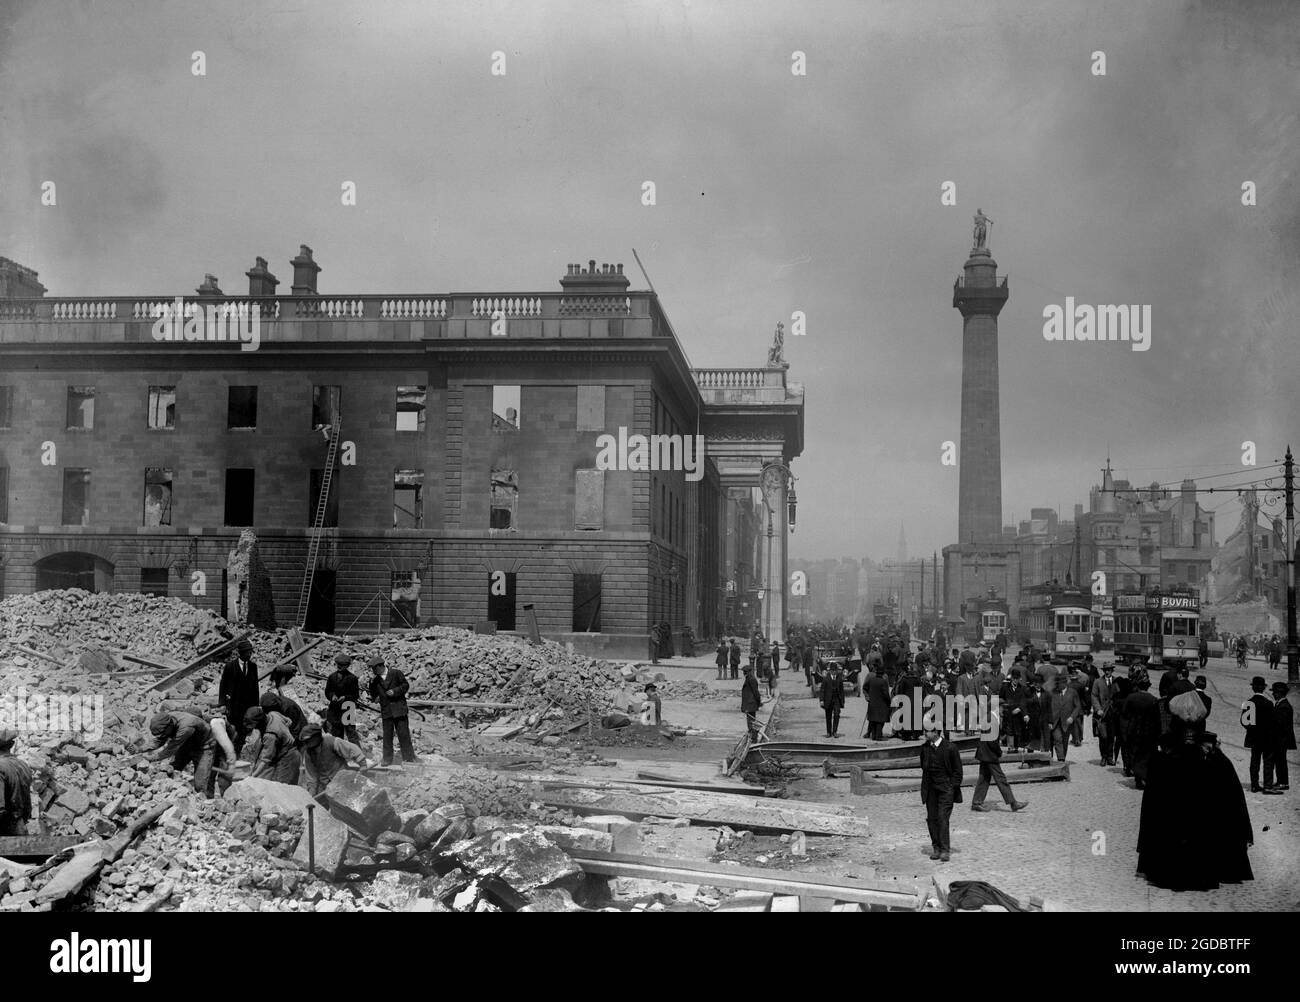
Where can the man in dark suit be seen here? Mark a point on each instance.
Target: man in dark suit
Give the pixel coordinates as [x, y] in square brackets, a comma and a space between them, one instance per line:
[388, 688]
[1283, 741]
[833, 698]
[877, 690]
[1064, 709]
[1103, 712]
[987, 753]
[733, 656]
[750, 701]
[343, 690]
[1140, 725]
[239, 690]
[1257, 718]
[940, 788]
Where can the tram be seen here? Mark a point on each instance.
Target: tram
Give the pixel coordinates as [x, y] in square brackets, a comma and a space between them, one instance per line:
[1103, 620]
[1157, 627]
[1057, 619]
[986, 618]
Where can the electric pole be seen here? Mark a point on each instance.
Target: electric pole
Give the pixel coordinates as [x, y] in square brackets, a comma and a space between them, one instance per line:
[1292, 653]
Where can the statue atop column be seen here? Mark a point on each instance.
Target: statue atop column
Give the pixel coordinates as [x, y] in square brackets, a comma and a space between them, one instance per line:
[982, 224]
[776, 353]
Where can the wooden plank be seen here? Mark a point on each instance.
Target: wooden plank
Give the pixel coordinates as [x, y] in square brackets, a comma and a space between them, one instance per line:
[468, 704]
[785, 882]
[817, 751]
[291, 659]
[184, 673]
[831, 769]
[35, 654]
[157, 664]
[36, 846]
[708, 809]
[300, 649]
[1051, 773]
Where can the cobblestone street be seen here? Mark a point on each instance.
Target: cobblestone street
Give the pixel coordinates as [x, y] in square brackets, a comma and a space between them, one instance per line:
[1075, 846]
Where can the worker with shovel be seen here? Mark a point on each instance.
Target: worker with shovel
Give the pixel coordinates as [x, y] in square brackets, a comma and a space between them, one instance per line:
[15, 787]
[184, 738]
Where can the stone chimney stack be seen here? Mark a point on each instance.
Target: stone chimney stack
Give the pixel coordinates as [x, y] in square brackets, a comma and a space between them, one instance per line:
[209, 289]
[1188, 491]
[304, 273]
[18, 282]
[260, 281]
[606, 280]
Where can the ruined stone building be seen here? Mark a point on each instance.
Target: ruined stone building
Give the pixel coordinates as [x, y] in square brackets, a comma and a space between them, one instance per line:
[139, 435]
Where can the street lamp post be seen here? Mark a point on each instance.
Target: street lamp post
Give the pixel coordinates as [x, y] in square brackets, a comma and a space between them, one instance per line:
[1292, 651]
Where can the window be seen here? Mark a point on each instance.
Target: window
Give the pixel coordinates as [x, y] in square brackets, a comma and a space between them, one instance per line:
[589, 499]
[157, 496]
[4, 494]
[408, 499]
[239, 497]
[586, 603]
[505, 497]
[81, 407]
[501, 599]
[410, 408]
[331, 519]
[162, 407]
[153, 581]
[76, 497]
[405, 609]
[591, 408]
[241, 407]
[325, 406]
[505, 408]
[6, 406]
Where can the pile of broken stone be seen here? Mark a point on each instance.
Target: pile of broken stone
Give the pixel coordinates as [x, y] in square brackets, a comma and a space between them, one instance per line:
[456, 837]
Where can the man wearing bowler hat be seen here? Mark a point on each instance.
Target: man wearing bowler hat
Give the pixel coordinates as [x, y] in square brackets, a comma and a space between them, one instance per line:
[239, 691]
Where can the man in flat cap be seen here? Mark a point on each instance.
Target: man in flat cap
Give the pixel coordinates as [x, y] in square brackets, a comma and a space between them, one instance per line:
[343, 690]
[323, 755]
[239, 690]
[185, 738]
[388, 688]
[15, 787]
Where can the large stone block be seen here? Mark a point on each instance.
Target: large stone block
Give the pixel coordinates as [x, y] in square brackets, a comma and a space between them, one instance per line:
[364, 805]
[331, 842]
[525, 859]
[277, 798]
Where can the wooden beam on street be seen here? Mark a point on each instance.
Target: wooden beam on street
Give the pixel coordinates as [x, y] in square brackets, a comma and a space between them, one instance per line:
[863, 784]
[807, 885]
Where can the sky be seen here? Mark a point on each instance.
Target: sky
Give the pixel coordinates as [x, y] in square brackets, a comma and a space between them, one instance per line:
[775, 193]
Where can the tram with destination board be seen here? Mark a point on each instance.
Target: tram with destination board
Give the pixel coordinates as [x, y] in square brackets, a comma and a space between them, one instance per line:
[1158, 627]
[1057, 619]
[986, 618]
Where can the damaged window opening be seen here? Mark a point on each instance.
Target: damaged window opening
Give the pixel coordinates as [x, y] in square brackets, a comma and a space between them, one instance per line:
[405, 610]
[408, 499]
[591, 408]
[76, 497]
[313, 496]
[505, 408]
[6, 406]
[241, 407]
[153, 581]
[325, 406]
[505, 498]
[239, 497]
[162, 407]
[586, 603]
[4, 494]
[501, 599]
[410, 408]
[81, 408]
[157, 496]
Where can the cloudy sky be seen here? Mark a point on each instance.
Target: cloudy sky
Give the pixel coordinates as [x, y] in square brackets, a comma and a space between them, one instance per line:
[776, 193]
